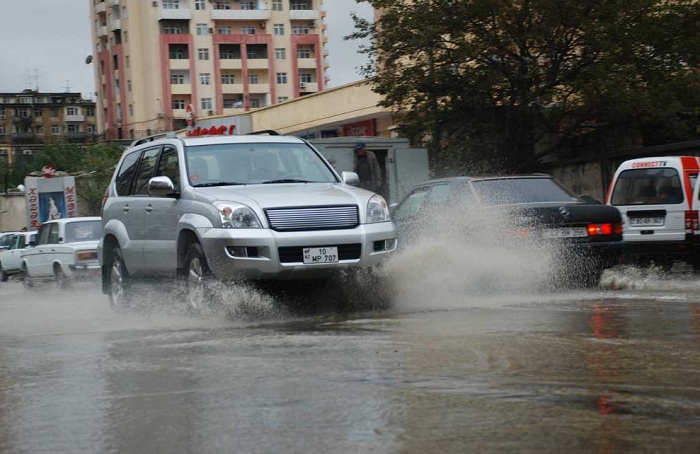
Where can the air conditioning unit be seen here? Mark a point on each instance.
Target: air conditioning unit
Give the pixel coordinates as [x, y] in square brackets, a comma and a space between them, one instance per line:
[302, 84]
[27, 152]
[312, 24]
[159, 115]
[211, 112]
[262, 24]
[211, 30]
[154, 3]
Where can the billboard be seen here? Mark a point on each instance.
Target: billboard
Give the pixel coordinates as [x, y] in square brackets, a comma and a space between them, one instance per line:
[49, 198]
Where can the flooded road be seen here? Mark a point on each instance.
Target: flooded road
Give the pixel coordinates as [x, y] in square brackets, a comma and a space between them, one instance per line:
[615, 369]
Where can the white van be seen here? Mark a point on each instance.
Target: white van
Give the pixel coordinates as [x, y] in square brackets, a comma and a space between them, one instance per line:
[655, 198]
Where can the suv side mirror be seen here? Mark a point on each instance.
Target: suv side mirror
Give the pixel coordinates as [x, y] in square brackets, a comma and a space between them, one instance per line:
[350, 178]
[160, 187]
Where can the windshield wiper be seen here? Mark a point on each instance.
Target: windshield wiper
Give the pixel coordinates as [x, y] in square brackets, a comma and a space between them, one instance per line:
[218, 183]
[286, 180]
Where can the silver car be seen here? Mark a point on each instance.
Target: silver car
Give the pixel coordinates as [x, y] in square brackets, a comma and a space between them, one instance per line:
[265, 207]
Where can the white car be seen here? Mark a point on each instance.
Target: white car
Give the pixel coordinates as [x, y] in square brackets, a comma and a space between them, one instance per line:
[5, 238]
[11, 257]
[66, 250]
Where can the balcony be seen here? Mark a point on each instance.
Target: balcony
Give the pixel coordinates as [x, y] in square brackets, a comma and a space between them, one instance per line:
[175, 14]
[100, 8]
[258, 63]
[181, 89]
[101, 31]
[23, 137]
[232, 89]
[115, 24]
[179, 63]
[74, 118]
[258, 88]
[231, 63]
[308, 87]
[306, 63]
[75, 136]
[241, 14]
[113, 3]
[234, 111]
[304, 14]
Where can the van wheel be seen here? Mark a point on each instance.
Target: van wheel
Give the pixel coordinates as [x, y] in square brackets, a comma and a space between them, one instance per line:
[59, 277]
[119, 282]
[197, 279]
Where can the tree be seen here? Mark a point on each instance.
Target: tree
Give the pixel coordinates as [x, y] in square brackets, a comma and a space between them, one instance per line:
[505, 83]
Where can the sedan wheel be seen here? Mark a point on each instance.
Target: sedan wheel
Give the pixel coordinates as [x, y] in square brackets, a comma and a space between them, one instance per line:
[60, 279]
[26, 279]
[119, 285]
[3, 275]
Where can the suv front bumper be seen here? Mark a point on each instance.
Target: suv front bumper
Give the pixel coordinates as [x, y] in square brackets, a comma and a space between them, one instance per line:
[267, 254]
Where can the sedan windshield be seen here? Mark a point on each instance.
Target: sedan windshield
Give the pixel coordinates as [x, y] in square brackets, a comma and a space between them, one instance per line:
[511, 191]
[83, 231]
[255, 163]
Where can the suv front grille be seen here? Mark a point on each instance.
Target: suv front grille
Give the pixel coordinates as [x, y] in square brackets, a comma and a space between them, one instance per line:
[294, 254]
[313, 218]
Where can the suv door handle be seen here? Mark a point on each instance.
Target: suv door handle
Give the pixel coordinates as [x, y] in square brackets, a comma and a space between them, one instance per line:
[149, 208]
[126, 208]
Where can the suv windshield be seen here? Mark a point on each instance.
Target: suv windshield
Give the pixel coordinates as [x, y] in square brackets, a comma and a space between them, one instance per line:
[255, 163]
[509, 191]
[647, 187]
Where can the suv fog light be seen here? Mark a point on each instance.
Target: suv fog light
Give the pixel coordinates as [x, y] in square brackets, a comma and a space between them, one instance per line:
[237, 251]
[391, 244]
[384, 245]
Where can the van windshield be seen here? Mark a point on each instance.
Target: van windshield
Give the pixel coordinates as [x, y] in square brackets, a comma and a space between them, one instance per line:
[255, 163]
[659, 185]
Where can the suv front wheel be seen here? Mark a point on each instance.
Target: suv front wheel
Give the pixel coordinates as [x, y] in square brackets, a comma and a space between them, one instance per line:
[119, 282]
[196, 279]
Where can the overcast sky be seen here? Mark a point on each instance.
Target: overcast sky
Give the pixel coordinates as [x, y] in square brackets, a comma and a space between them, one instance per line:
[45, 43]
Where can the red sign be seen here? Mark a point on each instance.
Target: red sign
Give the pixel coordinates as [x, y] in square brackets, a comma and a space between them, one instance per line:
[362, 128]
[189, 115]
[48, 171]
[212, 131]
[644, 165]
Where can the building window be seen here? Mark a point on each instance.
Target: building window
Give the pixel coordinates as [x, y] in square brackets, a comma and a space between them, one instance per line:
[278, 29]
[40, 130]
[54, 113]
[233, 103]
[177, 52]
[224, 30]
[91, 129]
[207, 104]
[172, 30]
[276, 5]
[222, 5]
[2, 113]
[72, 111]
[303, 53]
[203, 54]
[171, 4]
[205, 78]
[200, 5]
[252, 78]
[126, 59]
[300, 30]
[55, 130]
[90, 111]
[178, 104]
[202, 29]
[305, 77]
[282, 98]
[131, 110]
[281, 78]
[128, 86]
[254, 103]
[280, 53]
[248, 30]
[228, 79]
[38, 113]
[73, 128]
[177, 79]
[299, 4]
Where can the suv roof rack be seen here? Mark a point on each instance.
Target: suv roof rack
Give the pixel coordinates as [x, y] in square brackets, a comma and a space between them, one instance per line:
[269, 132]
[151, 138]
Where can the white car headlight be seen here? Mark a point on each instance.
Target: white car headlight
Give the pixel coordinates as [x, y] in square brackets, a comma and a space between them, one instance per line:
[237, 216]
[377, 210]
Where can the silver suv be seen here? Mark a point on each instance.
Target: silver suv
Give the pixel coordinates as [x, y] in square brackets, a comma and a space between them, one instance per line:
[230, 207]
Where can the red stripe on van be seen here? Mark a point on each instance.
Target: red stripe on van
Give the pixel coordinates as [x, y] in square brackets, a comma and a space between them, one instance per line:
[691, 166]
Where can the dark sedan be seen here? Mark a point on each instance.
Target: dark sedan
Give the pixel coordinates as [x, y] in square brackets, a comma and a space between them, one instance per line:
[584, 236]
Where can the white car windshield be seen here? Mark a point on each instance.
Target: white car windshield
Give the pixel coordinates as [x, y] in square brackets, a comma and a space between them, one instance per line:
[255, 163]
[511, 191]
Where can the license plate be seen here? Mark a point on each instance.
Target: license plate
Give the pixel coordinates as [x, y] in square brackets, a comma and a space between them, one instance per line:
[570, 232]
[327, 254]
[646, 221]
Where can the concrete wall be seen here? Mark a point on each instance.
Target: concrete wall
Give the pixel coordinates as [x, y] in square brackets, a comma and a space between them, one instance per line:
[582, 178]
[12, 212]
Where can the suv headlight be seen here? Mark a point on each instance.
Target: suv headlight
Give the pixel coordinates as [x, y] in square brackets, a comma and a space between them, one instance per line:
[237, 216]
[377, 210]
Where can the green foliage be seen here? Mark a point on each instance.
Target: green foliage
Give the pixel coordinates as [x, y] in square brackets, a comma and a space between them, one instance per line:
[508, 82]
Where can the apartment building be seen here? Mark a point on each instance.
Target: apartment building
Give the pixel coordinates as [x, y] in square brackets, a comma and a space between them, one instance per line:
[30, 119]
[160, 63]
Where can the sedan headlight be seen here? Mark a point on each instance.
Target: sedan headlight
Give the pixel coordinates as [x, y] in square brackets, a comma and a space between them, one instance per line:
[237, 216]
[377, 210]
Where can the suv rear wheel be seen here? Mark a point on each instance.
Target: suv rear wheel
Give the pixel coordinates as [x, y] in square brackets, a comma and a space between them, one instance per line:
[119, 282]
[197, 279]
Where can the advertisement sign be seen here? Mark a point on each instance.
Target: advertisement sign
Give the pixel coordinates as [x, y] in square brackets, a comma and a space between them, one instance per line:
[361, 128]
[50, 198]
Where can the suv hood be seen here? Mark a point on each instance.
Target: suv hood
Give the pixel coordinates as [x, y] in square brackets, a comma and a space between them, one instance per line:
[288, 195]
